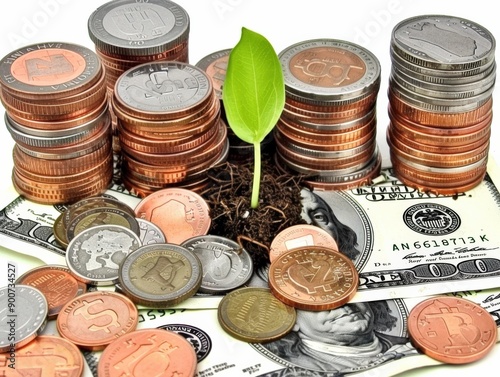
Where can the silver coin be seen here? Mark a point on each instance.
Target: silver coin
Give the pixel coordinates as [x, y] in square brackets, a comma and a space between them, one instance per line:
[226, 265]
[150, 233]
[95, 254]
[329, 70]
[24, 311]
[130, 27]
[443, 42]
[160, 275]
[149, 87]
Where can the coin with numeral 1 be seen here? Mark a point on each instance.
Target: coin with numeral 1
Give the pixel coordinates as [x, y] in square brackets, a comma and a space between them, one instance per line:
[95, 319]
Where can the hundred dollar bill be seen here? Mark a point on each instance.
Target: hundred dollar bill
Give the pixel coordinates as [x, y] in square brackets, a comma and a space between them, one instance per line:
[406, 243]
[373, 334]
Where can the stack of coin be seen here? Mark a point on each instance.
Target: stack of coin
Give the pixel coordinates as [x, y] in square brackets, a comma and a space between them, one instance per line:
[327, 131]
[57, 113]
[127, 33]
[440, 105]
[169, 125]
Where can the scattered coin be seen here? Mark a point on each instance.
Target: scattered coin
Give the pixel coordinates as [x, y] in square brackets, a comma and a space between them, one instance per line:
[150, 233]
[226, 265]
[101, 216]
[160, 275]
[45, 355]
[56, 283]
[95, 319]
[452, 329]
[148, 352]
[180, 213]
[95, 254]
[255, 315]
[300, 236]
[313, 278]
[26, 310]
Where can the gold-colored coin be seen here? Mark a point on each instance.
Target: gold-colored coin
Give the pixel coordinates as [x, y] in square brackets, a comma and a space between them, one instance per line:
[255, 315]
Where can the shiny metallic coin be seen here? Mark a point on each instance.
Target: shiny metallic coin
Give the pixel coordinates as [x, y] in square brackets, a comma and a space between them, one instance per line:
[329, 70]
[94, 255]
[56, 283]
[145, 91]
[180, 213]
[126, 27]
[215, 65]
[101, 216]
[46, 353]
[300, 235]
[150, 233]
[226, 265]
[76, 209]
[59, 231]
[26, 310]
[443, 42]
[160, 275]
[161, 351]
[452, 330]
[332, 282]
[95, 319]
[255, 315]
[51, 70]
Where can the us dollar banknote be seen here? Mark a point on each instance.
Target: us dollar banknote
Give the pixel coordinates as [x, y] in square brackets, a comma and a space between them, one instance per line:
[404, 243]
[374, 340]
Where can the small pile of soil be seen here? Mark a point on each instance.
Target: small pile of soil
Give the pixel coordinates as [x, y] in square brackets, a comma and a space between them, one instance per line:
[254, 229]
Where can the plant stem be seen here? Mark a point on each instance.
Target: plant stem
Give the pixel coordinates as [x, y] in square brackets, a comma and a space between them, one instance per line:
[256, 175]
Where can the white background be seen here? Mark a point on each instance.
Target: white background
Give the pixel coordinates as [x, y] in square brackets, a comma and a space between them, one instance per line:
[216, 25]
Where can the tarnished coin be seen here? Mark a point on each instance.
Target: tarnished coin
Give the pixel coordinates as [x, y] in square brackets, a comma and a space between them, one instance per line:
[313, 278]
[95, 319]
[160, 275]
[226, 265]
[45, 355]
[300, 235]
[255, 315]
[180, 213]
[56, 283]
[148, 352]
[95, 254]
[150, 233]
[452, 329]
[101, 216]
[24, 315]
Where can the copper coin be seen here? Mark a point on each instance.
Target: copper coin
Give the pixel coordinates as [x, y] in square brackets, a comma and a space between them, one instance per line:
[46, 355]
[215, 65]
[452, 329]
[57, 285]
[180, 213]
[148, 352]
[313, 278]
[255, 315]
[300, 235]
[95, 319]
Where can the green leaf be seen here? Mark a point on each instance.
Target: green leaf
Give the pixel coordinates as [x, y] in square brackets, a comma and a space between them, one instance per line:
[254, 91]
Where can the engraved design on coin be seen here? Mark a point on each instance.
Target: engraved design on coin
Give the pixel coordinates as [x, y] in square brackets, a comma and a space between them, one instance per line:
[94, 255]
[431, 219]
[198, 338]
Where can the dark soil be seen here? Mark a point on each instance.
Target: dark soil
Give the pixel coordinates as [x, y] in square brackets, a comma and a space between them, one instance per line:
[232, 216]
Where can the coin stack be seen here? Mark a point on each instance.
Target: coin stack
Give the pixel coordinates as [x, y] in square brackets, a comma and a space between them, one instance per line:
[440, 102]
[57, 113]
[127, 33]
[327, 131]
[170, 127]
